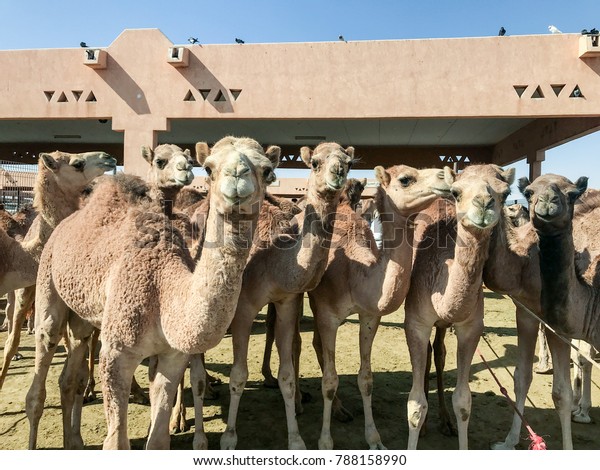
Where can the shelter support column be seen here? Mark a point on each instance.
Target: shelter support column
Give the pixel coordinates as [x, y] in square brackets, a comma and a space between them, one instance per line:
[134, 139]
[535, 160]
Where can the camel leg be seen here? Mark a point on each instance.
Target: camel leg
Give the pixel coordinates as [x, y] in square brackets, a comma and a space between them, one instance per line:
[340, 413]
[116, 371]
[446, 425]
[72, 379]
[31, 320]
[199, 380]
[527, 331]
[9, 311]
[285, 329]
[24, 301]
[562, 393]
[138, 395]
[368, 330]
[51, 318]
[241, 327]
[167, 376]
[89, 394]
[210, 392]
[327, 325]
[544, 365]
[582, 384]
[467, 335]
[178, 422]
[417, 338]
[270, 381]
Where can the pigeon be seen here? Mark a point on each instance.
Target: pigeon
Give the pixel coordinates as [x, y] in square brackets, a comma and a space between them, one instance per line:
[90, 54]
[554, 30]
[341, 38]
[502, 31]
[193, 40]
[239, 41]
[83, 44]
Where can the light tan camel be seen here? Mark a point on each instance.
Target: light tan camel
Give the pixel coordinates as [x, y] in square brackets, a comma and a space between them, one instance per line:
[362, 279]
[279, 271]
[179, 310]
[60, 181]
[451, 247]
[351, 195]
[169, 172]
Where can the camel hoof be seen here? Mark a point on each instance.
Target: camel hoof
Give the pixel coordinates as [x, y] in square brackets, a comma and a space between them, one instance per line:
[214, 380]
[229, 440]
[377, 446]
[581, 417]
[543, 369]
[270, 382]
[18, 357]
[325, 443]
[140, 399]
[89, 397]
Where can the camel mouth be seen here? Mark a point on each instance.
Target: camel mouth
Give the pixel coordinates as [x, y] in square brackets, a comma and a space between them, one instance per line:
[333, 186]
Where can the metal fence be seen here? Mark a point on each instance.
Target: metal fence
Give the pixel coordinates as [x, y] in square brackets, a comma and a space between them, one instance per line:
[16, 184]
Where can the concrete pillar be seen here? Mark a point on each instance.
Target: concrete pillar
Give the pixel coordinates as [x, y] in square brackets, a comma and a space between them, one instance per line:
[535, 160]
[132, 152]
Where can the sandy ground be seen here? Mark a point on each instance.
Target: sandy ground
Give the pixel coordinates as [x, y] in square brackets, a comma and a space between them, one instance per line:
[261, 422]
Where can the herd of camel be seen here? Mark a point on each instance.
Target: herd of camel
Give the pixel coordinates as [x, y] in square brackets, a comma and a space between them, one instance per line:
[155, 270]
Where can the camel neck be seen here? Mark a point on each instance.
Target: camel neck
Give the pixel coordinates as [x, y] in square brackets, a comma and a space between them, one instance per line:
[207, 302]
[54, 202]
[302, 265]
[559, 281]
[464, 284]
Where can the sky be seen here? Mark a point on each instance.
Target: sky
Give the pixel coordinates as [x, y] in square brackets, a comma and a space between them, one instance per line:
[28, 24]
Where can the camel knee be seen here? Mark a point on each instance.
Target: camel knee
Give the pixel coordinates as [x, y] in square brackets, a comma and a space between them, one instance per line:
[365, 383]
[416, 412]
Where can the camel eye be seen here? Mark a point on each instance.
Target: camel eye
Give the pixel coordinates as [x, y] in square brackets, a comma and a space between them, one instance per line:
[160, 163]
[527, 194]
[78, 165]
[505, 195]
[314, 164]
[455, 193]
[208, 171]
[405, 181]
[267, 173]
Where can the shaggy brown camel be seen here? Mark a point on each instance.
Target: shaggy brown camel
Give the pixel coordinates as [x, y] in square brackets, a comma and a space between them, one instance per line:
[170, 170]
[362, 279]
[179, 310]
[451, 247]
[61, 179]
[351, 195]
[279, 271]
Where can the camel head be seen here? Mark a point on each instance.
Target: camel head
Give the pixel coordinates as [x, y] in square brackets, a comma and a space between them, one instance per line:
[329, 165]
[516, 214]
[239, 171]
[551, 200]
[75, 170]
[353, 191]
[480, 192]
[170, 166]
[408, 190]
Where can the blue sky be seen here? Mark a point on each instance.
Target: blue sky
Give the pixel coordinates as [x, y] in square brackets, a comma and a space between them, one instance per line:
[42, 24]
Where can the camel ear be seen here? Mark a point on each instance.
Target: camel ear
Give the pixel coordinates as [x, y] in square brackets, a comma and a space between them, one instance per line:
[350, 151]
[580, 188]
[382, 176]
[147, 153]
[202, 152]
[187, 152]
[449, 176]
[49, 161]
[508, 175]
[306, 154]
[363, 182]
[522, 184]
[273, 153]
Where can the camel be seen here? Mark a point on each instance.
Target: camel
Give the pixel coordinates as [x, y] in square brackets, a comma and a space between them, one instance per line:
[363, 279]
[279, 271]
[513, 268]
[451, 247]
[179, 310]
[61, 179]
[351, 195]
[169, 172]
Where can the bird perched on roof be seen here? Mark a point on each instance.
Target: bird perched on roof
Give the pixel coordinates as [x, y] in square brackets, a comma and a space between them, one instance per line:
[554, 30]
[502, 31]
[90, 54]
[83, 44]
[193, 40]
[341, 38]
[239, 41]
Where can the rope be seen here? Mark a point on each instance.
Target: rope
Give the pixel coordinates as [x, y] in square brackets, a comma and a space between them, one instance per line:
[537, 442]
[563, 339]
